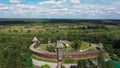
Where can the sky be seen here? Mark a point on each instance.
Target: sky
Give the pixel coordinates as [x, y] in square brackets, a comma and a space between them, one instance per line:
[63, 9]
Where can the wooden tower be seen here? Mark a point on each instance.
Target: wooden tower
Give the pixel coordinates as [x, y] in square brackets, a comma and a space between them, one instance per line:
[60, 53]
[36, 41]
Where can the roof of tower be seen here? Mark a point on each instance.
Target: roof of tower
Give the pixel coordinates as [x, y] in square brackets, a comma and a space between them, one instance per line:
[60, 44]
[35, 39]
[100, 45]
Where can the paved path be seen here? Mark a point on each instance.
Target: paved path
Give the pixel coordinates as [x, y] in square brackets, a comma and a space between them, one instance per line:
[52, 65]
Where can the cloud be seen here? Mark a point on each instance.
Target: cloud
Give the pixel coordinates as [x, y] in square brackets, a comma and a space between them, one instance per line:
[1, 4]
[59, 8]
[3, 7]
[75, 1]
[15, 1]
[51, 2]
[103, 2]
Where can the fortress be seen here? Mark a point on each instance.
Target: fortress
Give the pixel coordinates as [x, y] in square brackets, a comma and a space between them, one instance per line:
[53, 55]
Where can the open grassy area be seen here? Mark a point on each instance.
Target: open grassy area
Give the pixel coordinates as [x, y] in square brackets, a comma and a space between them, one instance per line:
[42, 47]
[69, 49]
[85, 46]
[70, 61]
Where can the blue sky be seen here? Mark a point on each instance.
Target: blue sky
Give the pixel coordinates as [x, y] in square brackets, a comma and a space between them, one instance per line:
[73, 9]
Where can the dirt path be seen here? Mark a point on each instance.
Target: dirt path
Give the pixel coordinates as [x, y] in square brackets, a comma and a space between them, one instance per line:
[52, 65]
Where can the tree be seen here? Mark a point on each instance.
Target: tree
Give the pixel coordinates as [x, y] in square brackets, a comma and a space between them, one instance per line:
[82, 63]
[15, 31]
[29, 31]
[101, 62]
[26, 60]
[76, 44]
[83, 27]
[109, 64]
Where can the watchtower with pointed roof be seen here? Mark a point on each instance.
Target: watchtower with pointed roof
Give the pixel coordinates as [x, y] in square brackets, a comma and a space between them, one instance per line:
[36, 41]
[99, 46]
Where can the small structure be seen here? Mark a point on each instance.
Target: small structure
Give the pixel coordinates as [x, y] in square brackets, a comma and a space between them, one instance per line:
[60, 53]
[99, 46]
[65, 42]
[36, 41]
[49, 43]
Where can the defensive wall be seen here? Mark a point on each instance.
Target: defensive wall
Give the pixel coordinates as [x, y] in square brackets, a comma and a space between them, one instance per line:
[53, 55]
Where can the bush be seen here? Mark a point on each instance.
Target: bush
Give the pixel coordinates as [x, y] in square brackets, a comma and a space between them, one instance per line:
[82, 63]
[51, 49]
[45, 66]
[15, 31]
[29, 31]
[63, 66]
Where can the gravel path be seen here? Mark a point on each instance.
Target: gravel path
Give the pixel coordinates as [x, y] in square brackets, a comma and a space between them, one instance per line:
[52, 65]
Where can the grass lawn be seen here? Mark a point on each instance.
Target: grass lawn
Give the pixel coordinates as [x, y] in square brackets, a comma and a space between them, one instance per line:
[70, 61]
[42, 47]
[84, 45]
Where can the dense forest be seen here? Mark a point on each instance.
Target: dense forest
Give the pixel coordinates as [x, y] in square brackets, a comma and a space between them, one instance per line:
[16, 37]
[56, 21]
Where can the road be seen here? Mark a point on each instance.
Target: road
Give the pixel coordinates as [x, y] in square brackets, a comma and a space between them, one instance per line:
[52, 65]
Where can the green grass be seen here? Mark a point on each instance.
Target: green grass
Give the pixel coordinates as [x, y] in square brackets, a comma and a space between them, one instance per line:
[84, 45]
[42, 47]
[106, 55]
[70, 61]
[69, 49]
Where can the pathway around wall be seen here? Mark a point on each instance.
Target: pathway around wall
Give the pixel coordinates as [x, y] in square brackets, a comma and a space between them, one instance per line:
[52, 65]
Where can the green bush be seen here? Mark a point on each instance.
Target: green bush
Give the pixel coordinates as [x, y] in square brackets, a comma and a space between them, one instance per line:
[45, 66]
[29, 31]
[82, 63]
[51, 48]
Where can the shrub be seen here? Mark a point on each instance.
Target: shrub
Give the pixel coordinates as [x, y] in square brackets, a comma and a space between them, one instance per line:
[45, 66]
[51, 49]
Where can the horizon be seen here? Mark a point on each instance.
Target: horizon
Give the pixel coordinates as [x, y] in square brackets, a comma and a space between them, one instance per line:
[51, 19]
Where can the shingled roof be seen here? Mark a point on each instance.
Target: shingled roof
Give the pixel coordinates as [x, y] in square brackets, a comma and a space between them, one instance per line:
[60, 44]
[35, 39]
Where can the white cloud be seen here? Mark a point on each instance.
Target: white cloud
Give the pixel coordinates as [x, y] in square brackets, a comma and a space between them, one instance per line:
[57, 8]
[3, 7]
[1, 4]
[75, 1]
[52, 2]
[15, 1]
